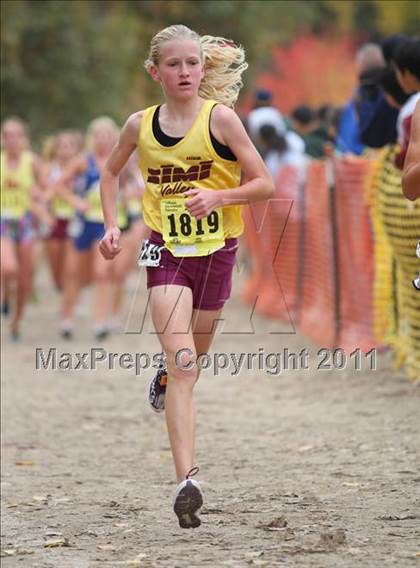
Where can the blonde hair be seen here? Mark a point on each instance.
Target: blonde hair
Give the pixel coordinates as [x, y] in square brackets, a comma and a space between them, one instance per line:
[15, 120]
[100, 122]
[50, 143]
[224, 62]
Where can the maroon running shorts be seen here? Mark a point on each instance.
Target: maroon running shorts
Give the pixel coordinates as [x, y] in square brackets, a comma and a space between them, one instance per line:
[59, 230]
[208, 277]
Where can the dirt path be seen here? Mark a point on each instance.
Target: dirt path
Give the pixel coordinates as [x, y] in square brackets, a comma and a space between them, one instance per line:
[306, 469]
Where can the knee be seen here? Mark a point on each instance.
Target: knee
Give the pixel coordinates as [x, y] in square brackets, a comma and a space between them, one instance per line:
[183, 378]
[101, 276]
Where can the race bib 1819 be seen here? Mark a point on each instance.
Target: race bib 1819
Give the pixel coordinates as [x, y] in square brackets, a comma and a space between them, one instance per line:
[184, 235]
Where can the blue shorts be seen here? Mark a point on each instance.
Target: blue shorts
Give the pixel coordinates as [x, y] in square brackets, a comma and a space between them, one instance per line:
[85, 233]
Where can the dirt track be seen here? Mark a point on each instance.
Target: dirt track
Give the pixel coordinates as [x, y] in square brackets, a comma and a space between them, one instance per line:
[306, 469]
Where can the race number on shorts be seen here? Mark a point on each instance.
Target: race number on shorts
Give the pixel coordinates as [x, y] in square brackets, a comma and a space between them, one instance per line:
[150, 254]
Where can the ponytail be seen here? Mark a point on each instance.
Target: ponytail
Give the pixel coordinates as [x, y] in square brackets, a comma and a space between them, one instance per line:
[224, 64]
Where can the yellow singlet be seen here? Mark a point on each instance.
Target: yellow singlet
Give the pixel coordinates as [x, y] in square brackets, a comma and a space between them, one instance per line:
[95, 213]
[134, 206]
[90, 190]
[170, 171]
[60, 208]
[16, 187]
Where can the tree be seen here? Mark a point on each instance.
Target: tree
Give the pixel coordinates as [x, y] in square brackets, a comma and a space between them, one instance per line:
[326, 77]
[65, 62]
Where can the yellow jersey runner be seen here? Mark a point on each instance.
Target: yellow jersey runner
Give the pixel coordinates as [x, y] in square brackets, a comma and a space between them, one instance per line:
[170, 171]
[16, 187]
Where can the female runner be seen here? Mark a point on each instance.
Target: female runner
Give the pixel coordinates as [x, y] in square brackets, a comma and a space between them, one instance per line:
[22, 186]
[192, 151]
[87, 228]
[61, 149]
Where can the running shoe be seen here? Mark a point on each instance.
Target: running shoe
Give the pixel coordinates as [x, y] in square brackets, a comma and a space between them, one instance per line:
[5, 308]
[157, 390]
[15, 335]
[66, 329]
[188, 501]
[101, 332]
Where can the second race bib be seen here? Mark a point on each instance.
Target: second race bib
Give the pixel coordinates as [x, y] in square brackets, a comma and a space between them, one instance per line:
[150, 254]
[95, 213]
[62, 209]
[14, 203]
[93, 196]
[184, 235]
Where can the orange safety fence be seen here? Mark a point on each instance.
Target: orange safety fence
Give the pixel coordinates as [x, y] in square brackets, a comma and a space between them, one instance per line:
[285, 224]
[318, 318]
[253, 217]
[273, 281]
[312, 254]
[355, 254]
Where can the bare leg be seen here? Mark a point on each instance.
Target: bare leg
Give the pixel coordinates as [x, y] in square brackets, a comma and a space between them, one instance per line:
[171, 309]
[9, 268]
[204, 325]
[121, 266]
[72, 284]
[102, 287]
[9, 263]
[26, 257]
[55, 258]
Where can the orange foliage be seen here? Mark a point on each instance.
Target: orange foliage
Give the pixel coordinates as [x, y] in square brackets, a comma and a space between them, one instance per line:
[311, 70]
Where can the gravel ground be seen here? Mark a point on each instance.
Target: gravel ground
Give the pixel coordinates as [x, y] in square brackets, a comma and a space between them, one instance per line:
[306, 469]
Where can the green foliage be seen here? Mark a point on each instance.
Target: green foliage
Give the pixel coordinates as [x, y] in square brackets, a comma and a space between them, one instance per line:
[365, 17]
[66, 61]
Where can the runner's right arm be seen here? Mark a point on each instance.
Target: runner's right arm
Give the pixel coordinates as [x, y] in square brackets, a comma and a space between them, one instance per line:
[127, 143]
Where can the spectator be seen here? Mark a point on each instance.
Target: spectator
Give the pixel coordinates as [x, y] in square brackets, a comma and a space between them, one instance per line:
[380, 127]
[273, 148]
[302, 119]
[392, 91]
[367, 120]
[277, 151]
[390, 45]
[411, 177]
[407, 62]
[264, 113]
[329, 118]
[307, 124]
